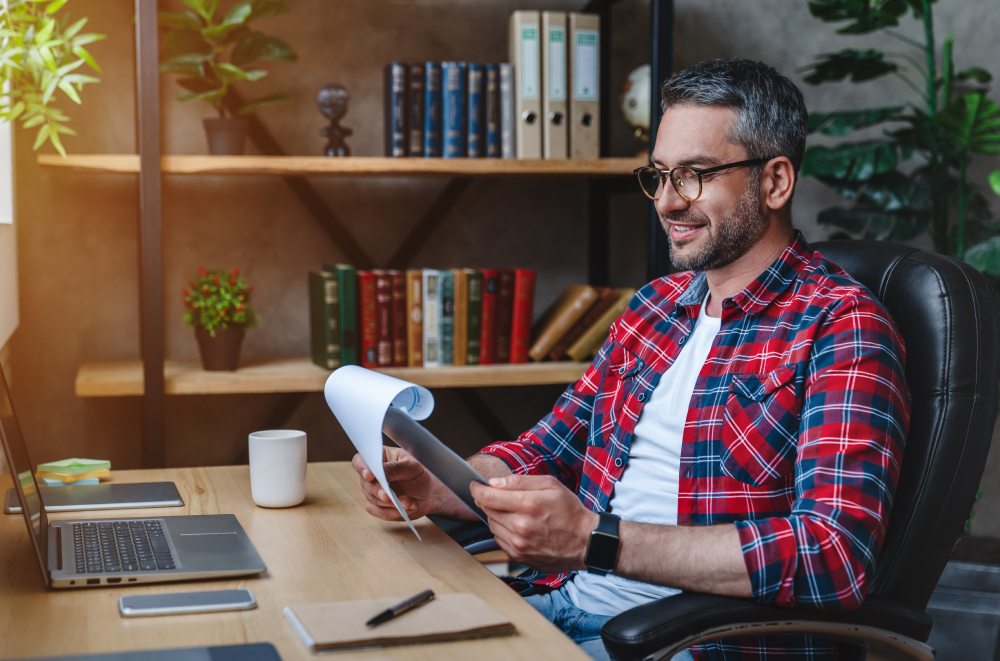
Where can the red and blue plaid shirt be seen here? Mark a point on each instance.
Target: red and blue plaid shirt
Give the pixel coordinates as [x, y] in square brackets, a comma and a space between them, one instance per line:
[795, 431]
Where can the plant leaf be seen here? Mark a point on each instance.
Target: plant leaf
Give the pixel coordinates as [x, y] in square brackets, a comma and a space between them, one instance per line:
[978, 74]
[267, 9]
[70, 92]
[43, 133]
[271, 100]
[947, 68]
[868, 16]
[55, 6]
[197, 85]
[985, 256]
[185, 46]
[238, 14]
[995, 181]
[838, 124]
[890, 191]
[179, 20]
[82, 53]
[71, 31]
[852, 161]
[972, 123]
[212, 96]
[256, 47]
[861, 223]
[72, 66]
[199, 6]
[859, 65]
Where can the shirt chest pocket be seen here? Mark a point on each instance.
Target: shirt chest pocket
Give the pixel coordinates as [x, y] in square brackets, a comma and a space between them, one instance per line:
[761, 426]
[617, 383]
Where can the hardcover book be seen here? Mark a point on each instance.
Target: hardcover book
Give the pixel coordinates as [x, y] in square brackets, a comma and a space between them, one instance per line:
[453, 110]
[383, 312]
[474, 138]
[414, 318]
[432, 109]
[491, 111]
[399, 326]
[347, 289]
[324, 311]
[508, 123]
[475, 309]
[367, 319]
[504, 314]
[592, 339]
[523, 308]
[396, 130]
[568, 309]
[432, 318]
[447, 283]
[416, 104]
[606, 298]
[488, 318]
[461, 343]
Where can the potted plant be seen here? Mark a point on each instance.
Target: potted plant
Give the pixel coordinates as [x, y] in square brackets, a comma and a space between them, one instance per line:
[211, 54]
[217, 304]
[40, 55]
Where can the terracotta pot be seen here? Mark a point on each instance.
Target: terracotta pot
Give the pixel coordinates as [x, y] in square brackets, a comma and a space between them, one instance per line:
[226, 136]
[222, 352]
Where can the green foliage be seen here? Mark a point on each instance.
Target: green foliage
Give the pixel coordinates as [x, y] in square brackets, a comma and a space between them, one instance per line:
[859, 65]
[197, 42]
[40, 55]
[216, 299]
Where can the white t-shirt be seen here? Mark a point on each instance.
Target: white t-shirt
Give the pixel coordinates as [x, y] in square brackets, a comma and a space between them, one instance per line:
[647, 491]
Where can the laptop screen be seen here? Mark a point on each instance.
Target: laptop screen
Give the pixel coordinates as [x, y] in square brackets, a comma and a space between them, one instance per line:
[24, 477]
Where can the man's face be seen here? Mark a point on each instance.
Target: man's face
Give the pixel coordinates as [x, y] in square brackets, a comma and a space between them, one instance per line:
[725, 222]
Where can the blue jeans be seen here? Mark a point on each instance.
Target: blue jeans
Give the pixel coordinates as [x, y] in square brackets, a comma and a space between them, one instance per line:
[582, 627]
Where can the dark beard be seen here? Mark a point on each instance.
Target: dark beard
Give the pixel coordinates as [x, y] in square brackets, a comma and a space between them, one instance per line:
[734, 237]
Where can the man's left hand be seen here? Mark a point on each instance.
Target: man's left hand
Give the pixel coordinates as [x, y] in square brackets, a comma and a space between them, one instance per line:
[537, 521]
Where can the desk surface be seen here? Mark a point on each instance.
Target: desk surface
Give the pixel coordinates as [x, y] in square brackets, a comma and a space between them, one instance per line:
[327, 549]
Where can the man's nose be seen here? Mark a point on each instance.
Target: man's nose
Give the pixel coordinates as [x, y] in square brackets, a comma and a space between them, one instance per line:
[669, 200]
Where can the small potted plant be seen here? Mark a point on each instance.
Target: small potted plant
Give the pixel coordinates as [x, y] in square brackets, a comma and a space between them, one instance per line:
[217, 304]
[195, 46]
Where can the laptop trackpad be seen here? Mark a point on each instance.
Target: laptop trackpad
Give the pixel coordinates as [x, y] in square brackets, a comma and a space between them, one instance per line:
[208, 551]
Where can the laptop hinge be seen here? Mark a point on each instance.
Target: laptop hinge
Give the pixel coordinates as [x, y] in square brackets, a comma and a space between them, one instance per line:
[55, 548]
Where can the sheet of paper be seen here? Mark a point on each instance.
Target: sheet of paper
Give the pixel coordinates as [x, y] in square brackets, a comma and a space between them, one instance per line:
[359, 399]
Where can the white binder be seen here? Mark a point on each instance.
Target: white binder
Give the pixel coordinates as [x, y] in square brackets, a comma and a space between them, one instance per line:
[525, 55]
[585, 85]
[555, 132]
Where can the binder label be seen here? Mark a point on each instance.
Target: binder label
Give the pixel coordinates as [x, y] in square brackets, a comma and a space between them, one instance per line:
[557, 64]
[585, 60]
[529, 62]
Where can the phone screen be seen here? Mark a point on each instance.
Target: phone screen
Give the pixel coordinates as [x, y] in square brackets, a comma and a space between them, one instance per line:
[186, 602]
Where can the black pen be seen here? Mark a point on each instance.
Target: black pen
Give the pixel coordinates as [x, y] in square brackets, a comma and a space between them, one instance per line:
[395, 611]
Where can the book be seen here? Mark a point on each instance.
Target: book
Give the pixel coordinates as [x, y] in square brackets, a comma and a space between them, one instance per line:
[504, 315]
[414, 318]
[568, 309]
[523, 309]
[606, 297]
[461, 343]
[525, 52]
[395, 109]
[452, 110]
[367, 321]
[75, 467]
[555, 134]
[346, 289]
[475, 311]
[488, 316]
[399, 325]
[324, 313]
[383, 317]
[491, 111]
[416, 103]
[62, 479]
[475, 146]
[446, 280]
[508, 121]
[432, 318]
[432, 109]
[585, 85]
[341, 625]
[592, 339]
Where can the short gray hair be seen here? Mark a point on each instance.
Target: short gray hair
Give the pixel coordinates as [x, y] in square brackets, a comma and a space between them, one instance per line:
[771, 114]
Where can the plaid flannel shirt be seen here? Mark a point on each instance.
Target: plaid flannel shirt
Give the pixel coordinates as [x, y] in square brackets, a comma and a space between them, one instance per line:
[795, 431]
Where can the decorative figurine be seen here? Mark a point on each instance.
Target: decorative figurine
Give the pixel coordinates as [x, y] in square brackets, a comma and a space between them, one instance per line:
[634, 102]
[332, 101]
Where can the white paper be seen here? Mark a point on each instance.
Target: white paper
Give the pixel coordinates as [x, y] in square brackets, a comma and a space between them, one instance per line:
[359, 399]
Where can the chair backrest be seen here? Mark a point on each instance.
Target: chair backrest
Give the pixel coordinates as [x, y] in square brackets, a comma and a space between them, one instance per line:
[947, 313]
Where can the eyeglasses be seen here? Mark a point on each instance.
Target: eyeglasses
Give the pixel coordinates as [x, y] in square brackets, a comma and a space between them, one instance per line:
[686, 180]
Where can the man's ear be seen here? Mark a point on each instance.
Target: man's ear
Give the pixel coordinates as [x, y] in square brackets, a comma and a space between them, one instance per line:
[777, 181]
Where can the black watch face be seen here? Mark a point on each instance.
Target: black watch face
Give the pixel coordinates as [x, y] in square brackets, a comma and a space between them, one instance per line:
[602, 552]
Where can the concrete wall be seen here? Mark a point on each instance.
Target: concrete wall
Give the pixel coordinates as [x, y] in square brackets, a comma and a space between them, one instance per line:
[77, 232]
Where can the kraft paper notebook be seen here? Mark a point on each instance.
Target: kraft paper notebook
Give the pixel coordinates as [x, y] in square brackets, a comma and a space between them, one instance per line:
[340, 625]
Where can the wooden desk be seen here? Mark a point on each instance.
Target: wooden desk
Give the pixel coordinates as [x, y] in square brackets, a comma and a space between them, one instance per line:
[327, 549]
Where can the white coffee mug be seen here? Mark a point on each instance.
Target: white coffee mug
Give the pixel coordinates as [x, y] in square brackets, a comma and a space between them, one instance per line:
[278, 467]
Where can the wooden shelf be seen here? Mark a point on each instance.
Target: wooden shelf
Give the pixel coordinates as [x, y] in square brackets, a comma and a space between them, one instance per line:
[124, 378]
[355, 166]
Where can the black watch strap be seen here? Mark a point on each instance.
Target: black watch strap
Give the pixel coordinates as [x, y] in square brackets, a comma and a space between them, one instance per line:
[602, 549]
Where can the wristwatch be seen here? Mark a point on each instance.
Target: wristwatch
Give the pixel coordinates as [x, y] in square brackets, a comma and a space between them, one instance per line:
[602, 550]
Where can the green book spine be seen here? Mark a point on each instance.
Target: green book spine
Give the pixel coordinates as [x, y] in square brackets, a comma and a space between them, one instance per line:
[475, 316]
[348, 313]
[323, 322]
[447, 318]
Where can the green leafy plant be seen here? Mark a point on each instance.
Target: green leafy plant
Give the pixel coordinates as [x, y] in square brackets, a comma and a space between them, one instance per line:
[197, 44]
[218, 299]
[40, 55]
[914, 178]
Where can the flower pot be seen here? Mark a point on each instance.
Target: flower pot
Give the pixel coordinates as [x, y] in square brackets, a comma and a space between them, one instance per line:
[226, 136]
[222, 352]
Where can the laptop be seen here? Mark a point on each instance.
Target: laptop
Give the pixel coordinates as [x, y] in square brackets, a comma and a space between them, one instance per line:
[81, 553]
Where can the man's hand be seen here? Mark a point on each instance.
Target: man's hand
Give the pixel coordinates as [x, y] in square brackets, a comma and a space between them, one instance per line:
[419, 492]
[537, 521]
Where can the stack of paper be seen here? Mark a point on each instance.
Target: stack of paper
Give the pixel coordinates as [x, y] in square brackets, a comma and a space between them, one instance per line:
[73, 471]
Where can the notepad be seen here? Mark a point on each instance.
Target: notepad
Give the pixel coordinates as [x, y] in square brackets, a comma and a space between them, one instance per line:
[341, 625]
[75, 466]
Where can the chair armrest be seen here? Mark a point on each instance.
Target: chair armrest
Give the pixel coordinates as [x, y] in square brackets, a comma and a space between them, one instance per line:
[474, 536]
[666, 626]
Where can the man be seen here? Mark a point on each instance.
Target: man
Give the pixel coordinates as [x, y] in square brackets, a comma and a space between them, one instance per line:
[745, 418]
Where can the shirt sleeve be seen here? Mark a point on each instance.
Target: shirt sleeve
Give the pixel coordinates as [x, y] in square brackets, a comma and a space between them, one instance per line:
[855, 415]
[557, 444]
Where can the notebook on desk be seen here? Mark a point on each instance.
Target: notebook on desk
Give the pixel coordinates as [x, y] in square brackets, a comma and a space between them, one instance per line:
[341, 625]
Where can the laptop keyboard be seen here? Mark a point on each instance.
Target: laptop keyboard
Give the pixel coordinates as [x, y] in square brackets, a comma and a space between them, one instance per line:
[120, 546]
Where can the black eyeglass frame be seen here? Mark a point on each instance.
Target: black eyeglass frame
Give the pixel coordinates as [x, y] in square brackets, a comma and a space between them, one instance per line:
[698, 171]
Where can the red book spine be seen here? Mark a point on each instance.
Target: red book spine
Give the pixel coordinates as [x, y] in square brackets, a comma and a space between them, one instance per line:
[524, 307]
[504, 314]
[383, 317]
[487, 334]
[399, 354]
[367, 318]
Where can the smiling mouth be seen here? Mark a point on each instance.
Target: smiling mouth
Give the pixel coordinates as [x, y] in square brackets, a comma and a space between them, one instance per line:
[681, 233]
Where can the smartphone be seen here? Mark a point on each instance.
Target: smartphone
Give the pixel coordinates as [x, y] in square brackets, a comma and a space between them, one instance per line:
[175, 603]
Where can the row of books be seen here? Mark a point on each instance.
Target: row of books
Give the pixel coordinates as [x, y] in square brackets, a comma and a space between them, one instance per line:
[420, 317]
[577, 323]
[545, 103]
